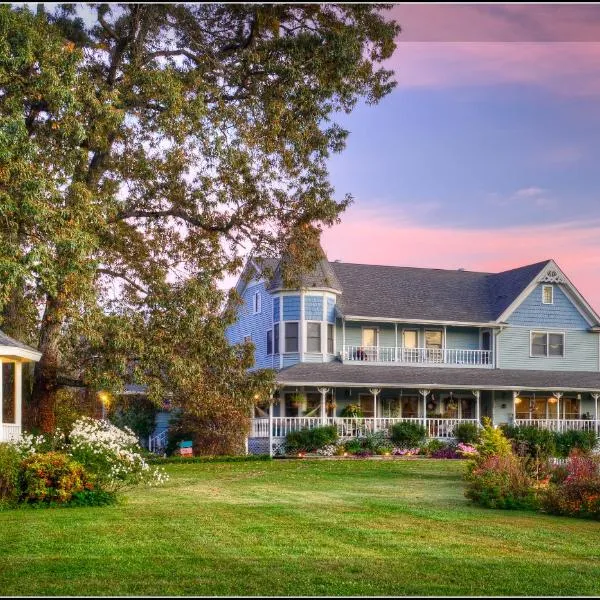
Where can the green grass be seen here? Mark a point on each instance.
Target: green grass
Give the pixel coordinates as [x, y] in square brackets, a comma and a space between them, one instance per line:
[289, 527]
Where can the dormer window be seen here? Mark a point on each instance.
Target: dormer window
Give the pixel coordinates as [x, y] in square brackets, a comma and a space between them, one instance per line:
[256, 303]
[548, 294]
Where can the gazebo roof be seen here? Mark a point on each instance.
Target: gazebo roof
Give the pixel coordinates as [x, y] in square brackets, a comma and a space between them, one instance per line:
[11, 348]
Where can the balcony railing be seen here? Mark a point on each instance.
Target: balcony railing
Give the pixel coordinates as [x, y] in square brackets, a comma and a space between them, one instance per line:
[10, 432]
[418, 356]
[353, 427]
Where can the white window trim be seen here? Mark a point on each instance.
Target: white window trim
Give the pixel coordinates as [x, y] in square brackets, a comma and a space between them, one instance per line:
[320, 324]
[285, 350]
[544, 288]
[547, 334]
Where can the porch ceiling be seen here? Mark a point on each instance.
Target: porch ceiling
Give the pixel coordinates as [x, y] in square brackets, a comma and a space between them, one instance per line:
[337, 374]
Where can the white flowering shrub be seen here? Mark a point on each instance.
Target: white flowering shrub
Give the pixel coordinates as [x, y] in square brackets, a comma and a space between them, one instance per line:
[329, 450]
[111, 455]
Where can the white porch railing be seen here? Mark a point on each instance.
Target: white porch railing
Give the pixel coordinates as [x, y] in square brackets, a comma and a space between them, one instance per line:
[157, 443]
[561, 424]
[415, 356]
[10, 432]
[353, 426]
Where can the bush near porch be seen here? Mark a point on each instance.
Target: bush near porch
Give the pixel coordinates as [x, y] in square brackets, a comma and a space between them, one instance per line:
[500, 478]
[87, 466]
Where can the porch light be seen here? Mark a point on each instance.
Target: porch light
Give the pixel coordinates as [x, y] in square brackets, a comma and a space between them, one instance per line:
[104, 398]
[552, 400]
[518, 400]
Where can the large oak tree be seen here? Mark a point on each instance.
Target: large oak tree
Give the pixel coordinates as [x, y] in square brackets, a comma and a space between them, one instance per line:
[144, 148]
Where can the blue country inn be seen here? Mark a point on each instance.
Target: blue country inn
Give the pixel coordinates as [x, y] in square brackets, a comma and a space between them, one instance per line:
[434, 346]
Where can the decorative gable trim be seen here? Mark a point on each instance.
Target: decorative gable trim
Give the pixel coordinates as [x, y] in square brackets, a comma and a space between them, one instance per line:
[551, 273]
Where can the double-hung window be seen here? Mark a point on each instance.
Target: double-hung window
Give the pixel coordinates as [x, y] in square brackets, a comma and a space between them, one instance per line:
[546, 344]
[548, 294]
[330, 333]
[313, 337]
[291, 337]
[256, 304]
[276, 338]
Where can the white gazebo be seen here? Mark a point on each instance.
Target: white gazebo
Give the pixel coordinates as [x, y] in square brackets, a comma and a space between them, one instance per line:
[13, 355]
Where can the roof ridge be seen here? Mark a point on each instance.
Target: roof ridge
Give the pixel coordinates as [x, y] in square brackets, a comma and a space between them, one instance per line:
[334, 262]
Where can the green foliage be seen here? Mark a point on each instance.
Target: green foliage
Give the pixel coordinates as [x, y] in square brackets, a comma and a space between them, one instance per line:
[407, 435]
[143, 149]
[353, 446]
[466, 433]
[377, 443]
[310, 440]
[51, 478]
[431, 446]
[134, 411]
[572, 439]
[534, 442]
[93, 498]
[10, 460]
[501, 481]
[492, 441]
[352, 411]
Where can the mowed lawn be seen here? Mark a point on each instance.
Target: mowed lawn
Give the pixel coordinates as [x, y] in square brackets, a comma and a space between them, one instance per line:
[299, 527]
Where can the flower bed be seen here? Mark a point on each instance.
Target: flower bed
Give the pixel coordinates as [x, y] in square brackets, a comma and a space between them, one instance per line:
[86, 466]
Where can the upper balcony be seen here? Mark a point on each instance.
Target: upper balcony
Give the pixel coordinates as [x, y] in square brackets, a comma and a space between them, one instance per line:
[452, 357]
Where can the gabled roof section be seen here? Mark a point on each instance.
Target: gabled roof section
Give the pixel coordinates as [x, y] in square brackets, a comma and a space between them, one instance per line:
[255, 268]
[12, 348]
[507, 286]
[322, 276]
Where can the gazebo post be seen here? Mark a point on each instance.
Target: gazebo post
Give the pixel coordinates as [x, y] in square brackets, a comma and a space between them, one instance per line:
[424, 393]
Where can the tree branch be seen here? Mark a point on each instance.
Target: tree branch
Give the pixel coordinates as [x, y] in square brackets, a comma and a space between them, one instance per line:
[120, 275]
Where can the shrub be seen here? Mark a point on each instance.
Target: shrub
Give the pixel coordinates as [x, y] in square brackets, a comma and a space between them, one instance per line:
[431, 446]
[572, 439]
[466, 433]
[10, 461]
[407, 435]
[377, 442]
[110, 455]
[501, 482]
[93, 498]
[492, 441]
[310, 440]
[534, 442]
[136, 412]
[51, 478]
[576, 490]
[353, 446]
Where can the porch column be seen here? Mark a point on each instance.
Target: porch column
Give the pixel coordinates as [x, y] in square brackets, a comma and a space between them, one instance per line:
[271, 426]
[424, 393]
[375, 392]
[18, 393]
[477, 395]
[344, 339]
[515, 396]
[396, 342]
[595, 396]
[324, 391]
[558, 396]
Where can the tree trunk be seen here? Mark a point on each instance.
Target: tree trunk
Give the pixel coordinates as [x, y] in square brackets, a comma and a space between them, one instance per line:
[46, 370]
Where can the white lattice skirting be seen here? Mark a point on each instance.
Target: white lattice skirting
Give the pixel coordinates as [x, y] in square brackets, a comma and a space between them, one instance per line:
[261, 445]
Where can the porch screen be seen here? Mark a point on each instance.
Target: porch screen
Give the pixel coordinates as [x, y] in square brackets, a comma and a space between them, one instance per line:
[8, 392]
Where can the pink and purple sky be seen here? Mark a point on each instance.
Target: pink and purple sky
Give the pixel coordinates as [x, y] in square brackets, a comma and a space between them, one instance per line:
[485, 155]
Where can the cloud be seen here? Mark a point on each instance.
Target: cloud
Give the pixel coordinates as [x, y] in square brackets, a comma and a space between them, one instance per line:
[531, 196]
[369, 236]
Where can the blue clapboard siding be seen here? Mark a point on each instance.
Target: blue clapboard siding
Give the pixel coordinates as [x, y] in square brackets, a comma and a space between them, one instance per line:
[313, 308]
[462, 338]
[254, 325]
[581, 351]
[276, 302]
[290, 359]
[291, 308]
[532, 312]
[330, 310]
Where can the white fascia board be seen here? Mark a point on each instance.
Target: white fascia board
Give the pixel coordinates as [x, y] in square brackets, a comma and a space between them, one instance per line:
[13, 352]
[436, 386]
[288, 291]
[421, 321]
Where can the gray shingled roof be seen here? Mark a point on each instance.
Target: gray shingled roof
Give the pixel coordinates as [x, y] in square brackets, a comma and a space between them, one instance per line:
[6, 340]
[323, 275]
[336, 373]
[429, 294]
